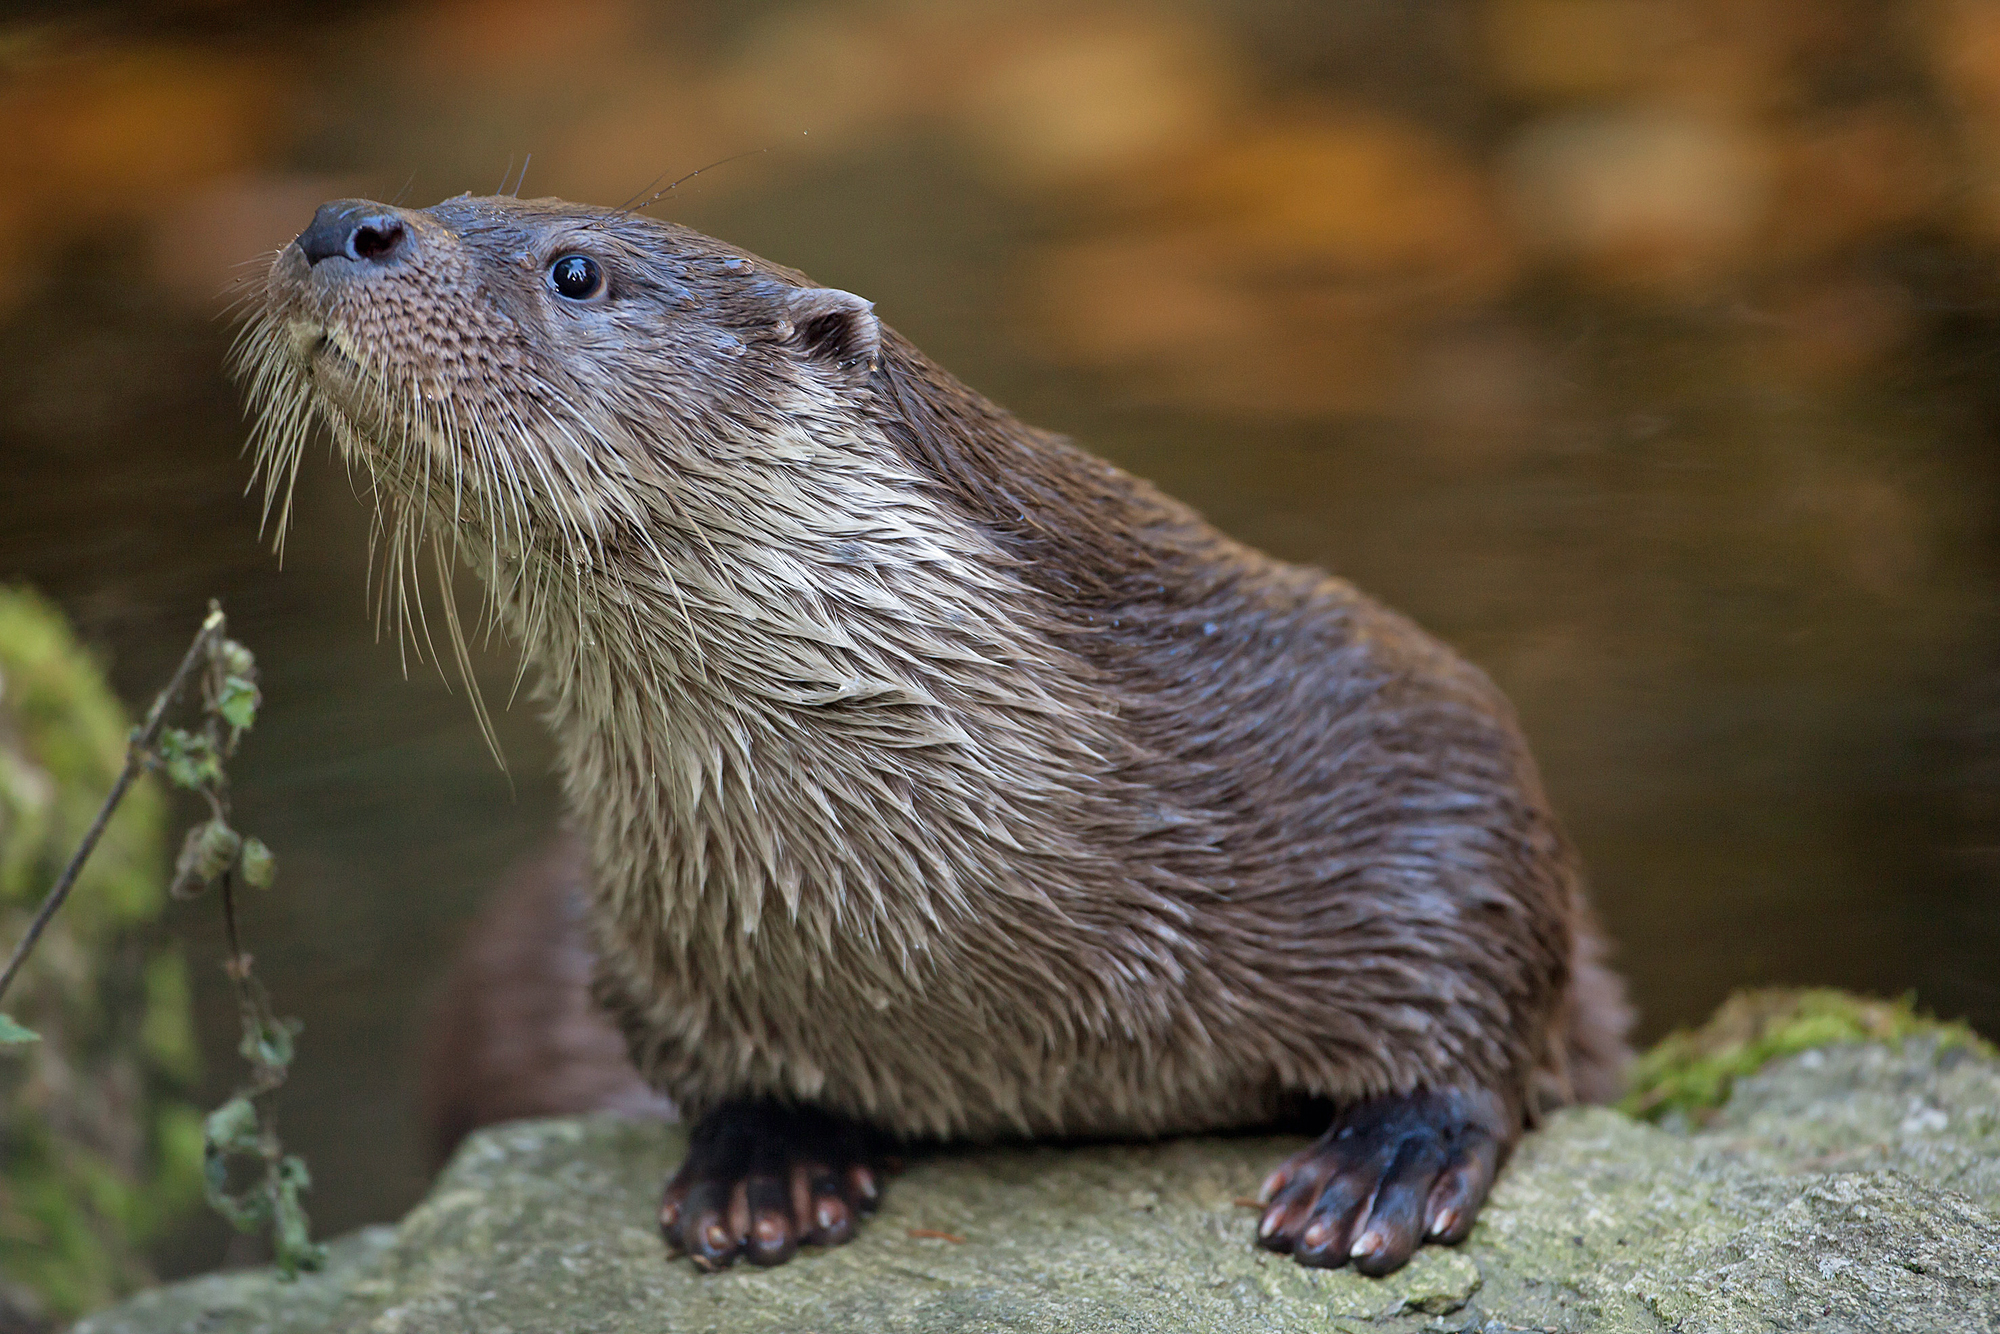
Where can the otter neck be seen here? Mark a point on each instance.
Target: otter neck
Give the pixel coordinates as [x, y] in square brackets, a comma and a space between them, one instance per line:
[834, 724]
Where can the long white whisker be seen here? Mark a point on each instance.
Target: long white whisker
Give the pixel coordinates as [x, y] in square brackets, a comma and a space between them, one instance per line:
[448, 596]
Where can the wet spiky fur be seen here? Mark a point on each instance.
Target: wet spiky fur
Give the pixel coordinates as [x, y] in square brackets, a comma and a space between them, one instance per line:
[931, 770]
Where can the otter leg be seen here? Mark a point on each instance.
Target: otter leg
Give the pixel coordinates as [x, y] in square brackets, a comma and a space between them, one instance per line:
[1387, 1175]
[762, 1178]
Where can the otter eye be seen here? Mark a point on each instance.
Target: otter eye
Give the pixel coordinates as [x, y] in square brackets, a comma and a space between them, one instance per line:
[577, 277]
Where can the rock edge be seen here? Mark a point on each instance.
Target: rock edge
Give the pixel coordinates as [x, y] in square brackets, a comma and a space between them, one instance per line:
[1847, 1188]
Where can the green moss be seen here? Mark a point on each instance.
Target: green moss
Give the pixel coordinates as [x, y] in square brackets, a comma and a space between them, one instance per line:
[64, 733]
[98, 1154]
[167, 1031]
[175, 1189]
[1692, 1071]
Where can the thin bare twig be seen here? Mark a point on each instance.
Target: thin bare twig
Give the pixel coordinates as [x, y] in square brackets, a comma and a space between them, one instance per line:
[135, 763]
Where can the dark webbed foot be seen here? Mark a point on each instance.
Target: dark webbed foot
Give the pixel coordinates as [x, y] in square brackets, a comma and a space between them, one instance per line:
[1389, 1174]
[761, 1179]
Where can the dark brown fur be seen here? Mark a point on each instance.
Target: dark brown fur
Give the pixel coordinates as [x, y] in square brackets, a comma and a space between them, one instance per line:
[1145, 576]
[937, 778]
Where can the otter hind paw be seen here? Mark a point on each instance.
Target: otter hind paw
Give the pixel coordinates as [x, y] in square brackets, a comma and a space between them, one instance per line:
[762, 1179]
[1389, 1174]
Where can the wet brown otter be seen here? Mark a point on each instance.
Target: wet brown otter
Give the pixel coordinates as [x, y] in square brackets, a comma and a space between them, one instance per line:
[939, 780]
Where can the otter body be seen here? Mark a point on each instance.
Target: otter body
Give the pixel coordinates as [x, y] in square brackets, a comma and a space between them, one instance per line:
[938, 780]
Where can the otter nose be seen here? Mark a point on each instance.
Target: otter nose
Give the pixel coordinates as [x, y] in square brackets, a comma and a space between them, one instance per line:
[353, 229]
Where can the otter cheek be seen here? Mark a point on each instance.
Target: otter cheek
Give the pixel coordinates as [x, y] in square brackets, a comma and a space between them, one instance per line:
[304, 338]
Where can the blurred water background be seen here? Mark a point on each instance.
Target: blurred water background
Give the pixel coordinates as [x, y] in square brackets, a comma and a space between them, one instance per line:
[1648, 351]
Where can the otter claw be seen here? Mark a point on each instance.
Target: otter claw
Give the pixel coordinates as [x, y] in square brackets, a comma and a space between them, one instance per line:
[761, 1179]
[1389, 1174]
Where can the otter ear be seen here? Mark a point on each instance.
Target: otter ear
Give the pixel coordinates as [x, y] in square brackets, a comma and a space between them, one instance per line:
[832, 326]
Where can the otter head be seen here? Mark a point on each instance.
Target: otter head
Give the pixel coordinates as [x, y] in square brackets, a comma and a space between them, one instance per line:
[611, 417]
[533, 372]
[665, 455]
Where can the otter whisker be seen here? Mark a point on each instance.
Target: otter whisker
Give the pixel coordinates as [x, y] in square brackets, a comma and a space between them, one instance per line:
[283, 407]
[509, 512]
[537, 561]
[395, 595]
[457, 517]
[442, 435]
[448, 596]
[411, 588]
[248, 285]
[375, 581]
[630, 206]
[511, 505]
[499, 508]
[571, 537]
[518, 486]
[560, 497]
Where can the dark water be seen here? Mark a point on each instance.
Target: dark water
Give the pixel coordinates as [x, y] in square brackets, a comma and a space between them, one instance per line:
[1657, 372]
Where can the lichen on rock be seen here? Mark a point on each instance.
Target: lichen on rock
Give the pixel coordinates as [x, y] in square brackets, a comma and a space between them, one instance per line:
[1852, 1187]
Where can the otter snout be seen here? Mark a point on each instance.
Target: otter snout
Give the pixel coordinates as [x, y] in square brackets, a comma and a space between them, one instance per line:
[356, 229]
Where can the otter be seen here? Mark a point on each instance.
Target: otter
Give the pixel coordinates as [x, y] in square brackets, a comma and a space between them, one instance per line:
[937, 780]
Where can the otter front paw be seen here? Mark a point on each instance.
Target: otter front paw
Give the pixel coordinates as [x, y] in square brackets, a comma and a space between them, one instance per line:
[1387, 1175]
[761, 1179]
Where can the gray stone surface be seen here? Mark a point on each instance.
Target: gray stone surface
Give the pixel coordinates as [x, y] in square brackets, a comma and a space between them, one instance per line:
[1849, 1189]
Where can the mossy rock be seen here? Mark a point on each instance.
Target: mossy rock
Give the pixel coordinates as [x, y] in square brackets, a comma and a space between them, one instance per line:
[1849, 1188]
[1690, 1073]
[98, 1154]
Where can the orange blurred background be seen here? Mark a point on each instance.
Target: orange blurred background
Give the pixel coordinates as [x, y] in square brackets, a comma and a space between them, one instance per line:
[1645, 349]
